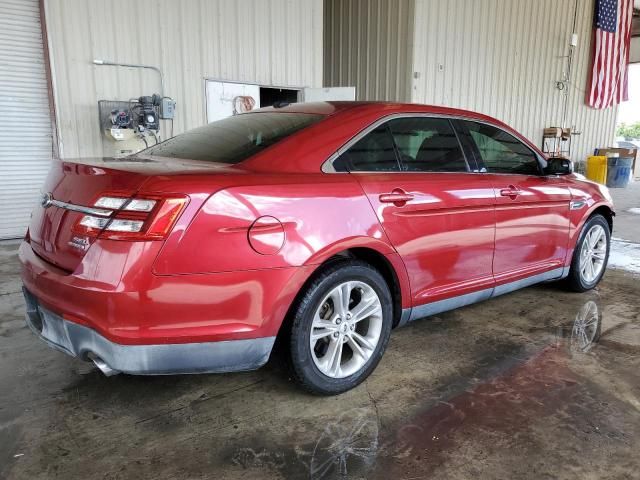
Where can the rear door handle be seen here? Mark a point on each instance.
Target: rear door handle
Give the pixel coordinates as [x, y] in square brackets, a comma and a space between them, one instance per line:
[511, 191]
[397, 197]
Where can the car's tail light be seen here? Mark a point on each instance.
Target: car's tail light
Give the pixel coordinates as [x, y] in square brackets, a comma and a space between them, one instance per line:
[148, 218]
[126, 204]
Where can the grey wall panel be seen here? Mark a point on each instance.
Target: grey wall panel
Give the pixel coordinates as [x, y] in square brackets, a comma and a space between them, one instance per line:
[274, 42]
[503, 58]
[368, 44]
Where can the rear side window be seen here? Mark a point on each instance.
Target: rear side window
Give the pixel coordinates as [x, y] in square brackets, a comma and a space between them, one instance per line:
[427, 145]
[501, 151]
[233, 139]
[372, 153]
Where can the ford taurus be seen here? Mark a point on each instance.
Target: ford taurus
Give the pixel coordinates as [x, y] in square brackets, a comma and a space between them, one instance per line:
[324, 225]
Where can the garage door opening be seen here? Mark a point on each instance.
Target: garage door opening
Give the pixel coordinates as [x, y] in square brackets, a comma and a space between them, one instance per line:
[629, 111]
[628, 124]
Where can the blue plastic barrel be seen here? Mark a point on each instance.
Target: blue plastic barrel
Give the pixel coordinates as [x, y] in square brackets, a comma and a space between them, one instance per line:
[618, 171]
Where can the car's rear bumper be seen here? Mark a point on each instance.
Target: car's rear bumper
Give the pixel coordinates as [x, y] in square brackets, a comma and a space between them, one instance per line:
[114, 293]
[87, 344]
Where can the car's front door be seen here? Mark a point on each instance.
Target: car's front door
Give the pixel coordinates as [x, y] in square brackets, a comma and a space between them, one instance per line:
[532, 209]
[438, 215]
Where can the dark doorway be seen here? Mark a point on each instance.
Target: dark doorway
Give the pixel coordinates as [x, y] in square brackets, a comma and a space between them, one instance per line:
[269, 96]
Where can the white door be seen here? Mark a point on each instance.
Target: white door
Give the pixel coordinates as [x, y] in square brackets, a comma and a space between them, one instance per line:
[25, 133]
[228, 98]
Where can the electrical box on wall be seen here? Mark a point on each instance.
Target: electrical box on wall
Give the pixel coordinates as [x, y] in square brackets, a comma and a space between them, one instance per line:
[167, 108]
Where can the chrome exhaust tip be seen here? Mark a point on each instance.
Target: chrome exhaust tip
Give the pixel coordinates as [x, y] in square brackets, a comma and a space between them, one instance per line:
[104, 368]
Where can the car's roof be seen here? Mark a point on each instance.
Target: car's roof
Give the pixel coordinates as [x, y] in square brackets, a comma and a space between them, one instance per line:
[318, 108]
[335, 107]
[307, 150]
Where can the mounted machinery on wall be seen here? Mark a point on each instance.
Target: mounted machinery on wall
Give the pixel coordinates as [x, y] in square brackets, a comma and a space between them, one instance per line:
[132, 126]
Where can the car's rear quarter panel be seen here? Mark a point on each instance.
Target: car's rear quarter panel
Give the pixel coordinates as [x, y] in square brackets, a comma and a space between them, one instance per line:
[315, 211]
[210, 274]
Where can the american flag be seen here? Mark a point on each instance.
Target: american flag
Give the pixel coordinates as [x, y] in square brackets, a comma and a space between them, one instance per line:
[609, 82]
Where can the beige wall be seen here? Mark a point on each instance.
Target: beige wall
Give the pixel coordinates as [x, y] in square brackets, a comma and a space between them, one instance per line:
[269, 42]
[499, 57]
[503, 58]
[367, 44]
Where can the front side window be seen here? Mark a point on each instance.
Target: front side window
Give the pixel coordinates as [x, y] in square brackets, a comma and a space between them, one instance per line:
[372, 153]
[427, 145]
[501, 151]
[233, 139]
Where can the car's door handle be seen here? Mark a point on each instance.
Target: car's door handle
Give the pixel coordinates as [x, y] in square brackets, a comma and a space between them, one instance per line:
[511, 191]
[398, 198]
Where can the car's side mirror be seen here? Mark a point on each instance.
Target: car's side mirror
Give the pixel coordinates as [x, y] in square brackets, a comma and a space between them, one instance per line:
[558, 166]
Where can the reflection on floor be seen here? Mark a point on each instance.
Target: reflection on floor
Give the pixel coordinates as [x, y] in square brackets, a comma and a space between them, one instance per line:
[540, 383]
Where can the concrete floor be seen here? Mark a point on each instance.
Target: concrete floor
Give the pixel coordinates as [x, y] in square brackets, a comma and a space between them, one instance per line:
[504, 389]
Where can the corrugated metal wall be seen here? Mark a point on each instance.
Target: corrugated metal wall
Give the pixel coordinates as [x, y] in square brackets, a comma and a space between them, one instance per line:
[275, 42]
[25, 136]
[367, 44]
[503, 58]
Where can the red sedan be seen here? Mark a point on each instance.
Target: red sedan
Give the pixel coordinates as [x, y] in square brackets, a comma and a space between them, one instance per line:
[326, 225]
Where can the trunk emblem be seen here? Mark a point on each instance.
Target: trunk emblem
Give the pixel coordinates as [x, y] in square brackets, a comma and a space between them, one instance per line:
[80, 242]
[47, 200]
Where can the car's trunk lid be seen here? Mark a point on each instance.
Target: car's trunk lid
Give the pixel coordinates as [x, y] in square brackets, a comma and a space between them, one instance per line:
[51, 230]
[81, 182]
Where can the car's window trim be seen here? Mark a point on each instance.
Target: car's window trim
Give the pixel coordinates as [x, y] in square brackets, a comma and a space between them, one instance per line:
[327, 165]
[482, 167]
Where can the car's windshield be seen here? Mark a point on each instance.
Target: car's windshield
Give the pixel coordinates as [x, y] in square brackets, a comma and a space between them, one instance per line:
[233, 139]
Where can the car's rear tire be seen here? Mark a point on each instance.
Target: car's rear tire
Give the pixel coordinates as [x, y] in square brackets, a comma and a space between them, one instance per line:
[348, 310]
[591, 255]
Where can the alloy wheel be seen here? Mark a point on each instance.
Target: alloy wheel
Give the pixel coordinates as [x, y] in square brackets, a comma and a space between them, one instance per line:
[593, 253]
[346, 329]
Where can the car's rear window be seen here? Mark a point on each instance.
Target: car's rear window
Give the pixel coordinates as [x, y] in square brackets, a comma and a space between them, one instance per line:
[233, 139]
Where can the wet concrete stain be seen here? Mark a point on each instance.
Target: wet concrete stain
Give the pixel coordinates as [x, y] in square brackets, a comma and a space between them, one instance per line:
[506, 404]
[351, 444]
[503, 389]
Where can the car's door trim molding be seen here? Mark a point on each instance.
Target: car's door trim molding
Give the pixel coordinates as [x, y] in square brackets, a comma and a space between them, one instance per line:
[532, 204]
[434, 212]
[433, 308]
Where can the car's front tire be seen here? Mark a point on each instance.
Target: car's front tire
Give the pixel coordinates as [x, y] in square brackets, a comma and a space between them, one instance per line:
[591, 254]
[341, 327]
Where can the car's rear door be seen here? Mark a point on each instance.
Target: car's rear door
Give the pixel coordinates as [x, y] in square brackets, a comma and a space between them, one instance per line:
[437, 213]
[532, 209]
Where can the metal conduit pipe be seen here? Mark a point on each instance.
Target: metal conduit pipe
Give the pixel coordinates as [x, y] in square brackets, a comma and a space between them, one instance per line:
[98, 61]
